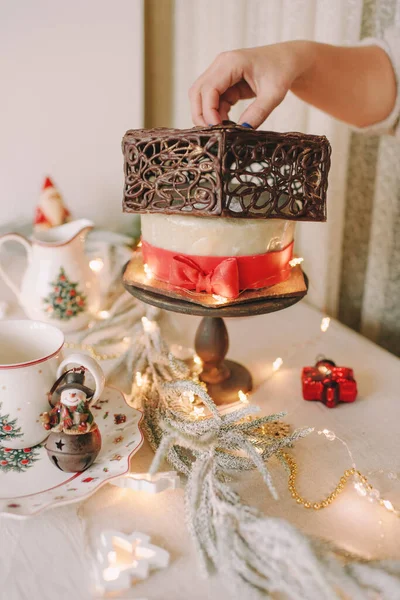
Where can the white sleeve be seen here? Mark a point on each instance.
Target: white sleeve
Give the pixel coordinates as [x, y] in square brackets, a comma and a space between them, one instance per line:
[391, 45]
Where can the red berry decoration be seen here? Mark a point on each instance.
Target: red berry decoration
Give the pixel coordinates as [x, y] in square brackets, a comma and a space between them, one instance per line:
[4, 462]
[26, 450]
[25, 461]
[7, 450]
[7, 428]
[72, 293]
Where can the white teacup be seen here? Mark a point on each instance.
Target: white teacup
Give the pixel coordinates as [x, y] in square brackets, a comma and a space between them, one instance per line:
[29, 357]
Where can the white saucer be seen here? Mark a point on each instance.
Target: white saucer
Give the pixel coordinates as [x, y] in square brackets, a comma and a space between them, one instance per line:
[33, 483]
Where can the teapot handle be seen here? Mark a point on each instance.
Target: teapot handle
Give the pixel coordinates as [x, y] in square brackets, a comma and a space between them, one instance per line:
[14, 237]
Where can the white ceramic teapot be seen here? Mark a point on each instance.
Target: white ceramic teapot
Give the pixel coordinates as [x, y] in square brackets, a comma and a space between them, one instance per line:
[58, 285]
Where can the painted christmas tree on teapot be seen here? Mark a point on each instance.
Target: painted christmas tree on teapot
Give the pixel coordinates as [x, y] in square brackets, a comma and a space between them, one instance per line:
[58, 285]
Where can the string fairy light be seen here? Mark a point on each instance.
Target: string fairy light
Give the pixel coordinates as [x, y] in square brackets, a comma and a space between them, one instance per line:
[198, 411]
[139, 378]
[147, 271]
[197, 360]
[96, 265]
[189, 395]
[243, 397]
[148, 326]
[325, 324]
[220, 299]
[296, 261]
[276, 365]
[103, 314]
[360, 483]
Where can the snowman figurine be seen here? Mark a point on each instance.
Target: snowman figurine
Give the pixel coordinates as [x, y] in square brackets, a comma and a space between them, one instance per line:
[74, 441]
[71, 414]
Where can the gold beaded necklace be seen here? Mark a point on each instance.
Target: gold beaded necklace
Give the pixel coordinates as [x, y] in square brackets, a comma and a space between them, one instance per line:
[333, 495]
[306, 503]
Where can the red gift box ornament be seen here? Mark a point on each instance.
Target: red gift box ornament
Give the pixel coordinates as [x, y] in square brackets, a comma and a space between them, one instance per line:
[329, 384]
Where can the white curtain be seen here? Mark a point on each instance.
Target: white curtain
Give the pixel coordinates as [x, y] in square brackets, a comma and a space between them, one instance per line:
[203, 28]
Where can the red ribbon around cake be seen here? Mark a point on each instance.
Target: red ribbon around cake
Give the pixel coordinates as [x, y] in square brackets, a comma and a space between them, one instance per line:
[222, 275]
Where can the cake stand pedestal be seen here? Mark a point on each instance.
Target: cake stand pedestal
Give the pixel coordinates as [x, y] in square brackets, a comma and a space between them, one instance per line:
[224, 378]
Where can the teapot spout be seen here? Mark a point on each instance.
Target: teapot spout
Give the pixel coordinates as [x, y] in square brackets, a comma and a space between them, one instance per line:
[64, 234]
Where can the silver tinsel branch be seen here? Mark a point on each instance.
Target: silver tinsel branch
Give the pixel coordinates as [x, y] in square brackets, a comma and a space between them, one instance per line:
[258, 557]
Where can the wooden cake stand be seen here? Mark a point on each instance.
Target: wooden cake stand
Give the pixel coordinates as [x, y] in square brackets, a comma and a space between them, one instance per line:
[224, 378]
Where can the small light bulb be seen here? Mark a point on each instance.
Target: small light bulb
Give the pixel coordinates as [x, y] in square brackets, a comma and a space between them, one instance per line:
[139, 244]
[197, 360]
[139, 379]
[374, 495]
[148, 326]
[96, 264]
[325, 324]
[243, 397]
[278, 362]
[388, 505]
[360, 488]
[198, 411]
[220, 299]
[148, 272]
[111, 573]
[189, 396]
[103, 314]
[330, 435]
[296, 261]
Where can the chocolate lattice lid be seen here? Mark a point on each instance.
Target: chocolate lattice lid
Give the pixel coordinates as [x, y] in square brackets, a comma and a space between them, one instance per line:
[228, 171]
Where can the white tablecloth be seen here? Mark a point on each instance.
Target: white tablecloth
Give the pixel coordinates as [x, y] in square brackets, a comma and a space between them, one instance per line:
[44, 558]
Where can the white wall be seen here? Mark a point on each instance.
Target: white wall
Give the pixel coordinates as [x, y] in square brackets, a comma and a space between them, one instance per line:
[71, 76]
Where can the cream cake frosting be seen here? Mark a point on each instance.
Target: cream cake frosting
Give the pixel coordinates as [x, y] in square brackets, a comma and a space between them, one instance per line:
[202, 236]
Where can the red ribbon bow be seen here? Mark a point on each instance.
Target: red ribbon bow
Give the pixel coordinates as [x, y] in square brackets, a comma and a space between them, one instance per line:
[223, 280]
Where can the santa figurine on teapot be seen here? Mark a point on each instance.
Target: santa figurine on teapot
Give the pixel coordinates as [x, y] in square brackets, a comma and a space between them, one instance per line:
[74, 441]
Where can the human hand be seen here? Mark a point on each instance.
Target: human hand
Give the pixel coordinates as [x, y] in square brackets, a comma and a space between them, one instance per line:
[265, 73]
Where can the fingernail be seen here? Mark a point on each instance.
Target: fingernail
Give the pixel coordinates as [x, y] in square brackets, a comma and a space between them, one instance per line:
[246, 125]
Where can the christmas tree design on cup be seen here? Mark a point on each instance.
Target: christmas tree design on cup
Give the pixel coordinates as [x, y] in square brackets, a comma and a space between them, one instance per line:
[18, 460]
[8, 428]
[65, 301]
[10, 459]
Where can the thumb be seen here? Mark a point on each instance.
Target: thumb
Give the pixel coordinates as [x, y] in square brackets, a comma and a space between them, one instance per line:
[256, 113]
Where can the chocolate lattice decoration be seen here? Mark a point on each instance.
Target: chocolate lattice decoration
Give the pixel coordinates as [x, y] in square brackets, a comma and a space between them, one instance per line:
[226, 170]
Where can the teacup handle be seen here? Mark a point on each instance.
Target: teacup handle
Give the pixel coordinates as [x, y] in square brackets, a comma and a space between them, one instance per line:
[14, 237]
[92, 366]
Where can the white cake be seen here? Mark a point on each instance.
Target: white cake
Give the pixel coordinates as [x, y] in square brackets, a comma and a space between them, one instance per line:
[201, 236]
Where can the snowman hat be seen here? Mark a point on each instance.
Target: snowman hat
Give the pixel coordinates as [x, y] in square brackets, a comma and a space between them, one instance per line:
[74, 381]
